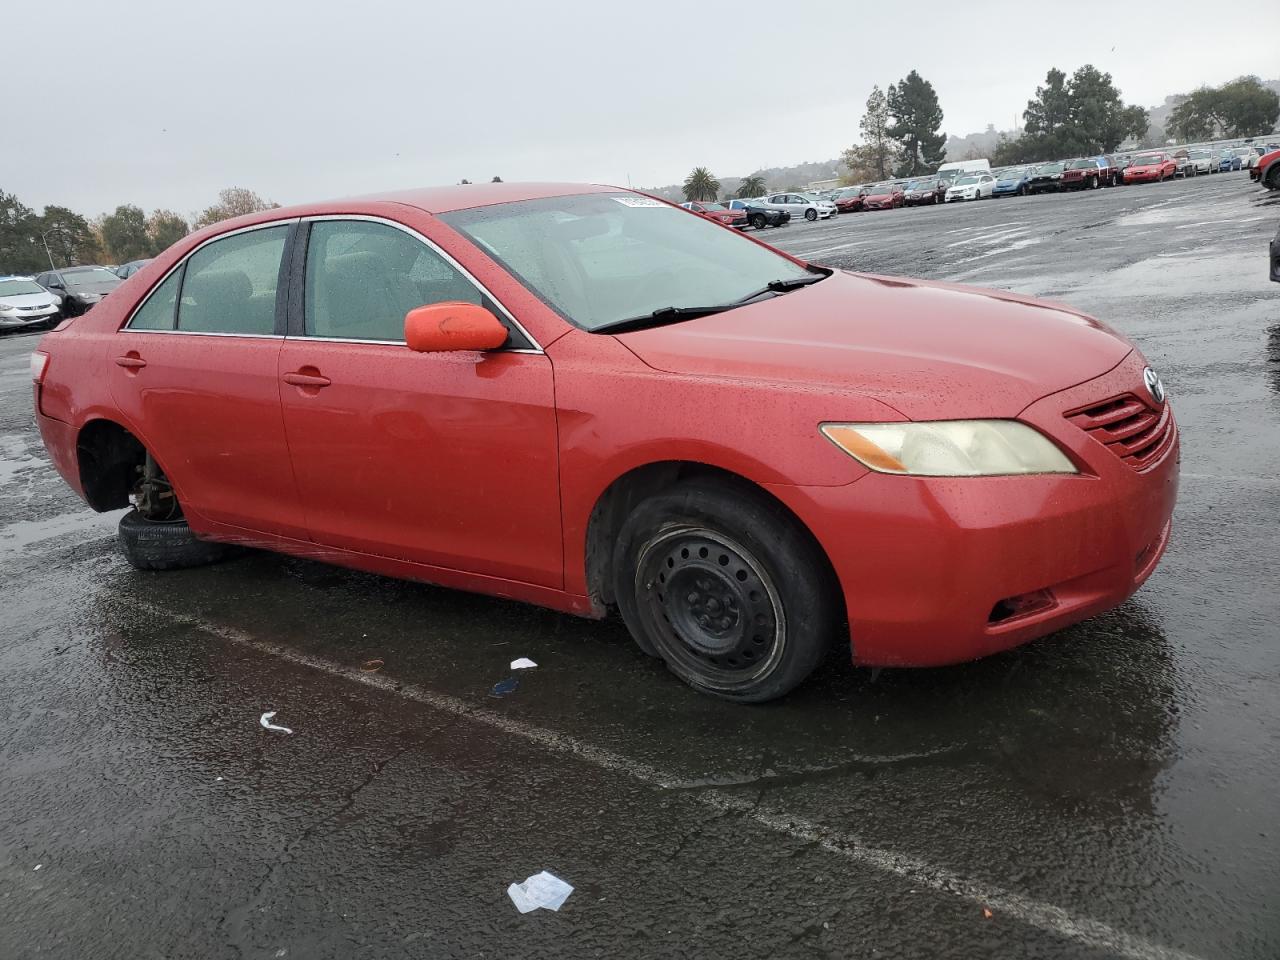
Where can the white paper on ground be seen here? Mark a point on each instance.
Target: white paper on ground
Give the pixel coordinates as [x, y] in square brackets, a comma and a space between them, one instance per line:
[265, 720]
[541, 890]
[524, 663]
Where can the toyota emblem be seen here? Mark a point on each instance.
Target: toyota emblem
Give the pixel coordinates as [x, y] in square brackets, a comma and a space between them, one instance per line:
[1154, 385]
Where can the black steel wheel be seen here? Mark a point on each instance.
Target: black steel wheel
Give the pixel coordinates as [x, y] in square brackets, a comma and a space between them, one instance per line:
[726, 587]
[757, 221]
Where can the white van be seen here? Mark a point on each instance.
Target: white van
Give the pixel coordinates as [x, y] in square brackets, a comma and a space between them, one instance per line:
[949, 171]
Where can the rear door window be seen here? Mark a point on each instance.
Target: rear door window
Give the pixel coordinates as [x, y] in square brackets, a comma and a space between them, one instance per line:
[230, 284]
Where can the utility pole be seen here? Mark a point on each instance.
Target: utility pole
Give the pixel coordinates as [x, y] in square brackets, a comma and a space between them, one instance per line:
[44, 238]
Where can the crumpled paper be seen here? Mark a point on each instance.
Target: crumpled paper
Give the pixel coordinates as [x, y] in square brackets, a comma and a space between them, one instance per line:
[542, 890]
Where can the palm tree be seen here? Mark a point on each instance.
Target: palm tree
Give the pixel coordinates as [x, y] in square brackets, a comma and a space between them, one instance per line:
[701, 185]
[752, 186]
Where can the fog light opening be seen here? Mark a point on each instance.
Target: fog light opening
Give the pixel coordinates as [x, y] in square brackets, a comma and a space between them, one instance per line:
[1020, 606]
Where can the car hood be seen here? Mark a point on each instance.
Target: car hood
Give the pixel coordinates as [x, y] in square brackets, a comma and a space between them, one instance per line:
[929, 350]
[28, 300]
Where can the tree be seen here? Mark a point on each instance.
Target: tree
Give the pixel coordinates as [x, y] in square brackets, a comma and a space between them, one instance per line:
[124, 234]
[1050, 108]
[1241, 108]
[1079, 115]
[752, 186]
[496, 180]
[700, 184]
[164, 229]
[875, 132]
[917, 119]
[70, 238]
[20, 248]
[233, 202]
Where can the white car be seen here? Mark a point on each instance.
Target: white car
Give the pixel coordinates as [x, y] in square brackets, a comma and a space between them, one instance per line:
[973, 186]
[24, 303]
[800, 205]
[1201, 161]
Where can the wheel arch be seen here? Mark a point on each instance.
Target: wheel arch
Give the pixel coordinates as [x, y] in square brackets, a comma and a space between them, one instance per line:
[625, 492]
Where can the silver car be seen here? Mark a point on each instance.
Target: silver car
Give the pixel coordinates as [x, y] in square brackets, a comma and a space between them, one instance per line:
[24, 303]
[800, 205]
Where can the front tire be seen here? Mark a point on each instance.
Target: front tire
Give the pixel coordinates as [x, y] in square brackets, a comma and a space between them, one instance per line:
[149, 545]
[811, 215]
[724, 585]
[757, 221]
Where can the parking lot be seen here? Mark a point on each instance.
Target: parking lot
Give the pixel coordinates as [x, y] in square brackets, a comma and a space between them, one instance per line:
[1110, 791]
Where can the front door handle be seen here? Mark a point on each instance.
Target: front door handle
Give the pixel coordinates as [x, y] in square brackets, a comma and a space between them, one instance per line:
[131, 361]
[300, 379]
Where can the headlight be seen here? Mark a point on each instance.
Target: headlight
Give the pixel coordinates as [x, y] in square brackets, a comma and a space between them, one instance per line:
[949, 448]
[7, 308]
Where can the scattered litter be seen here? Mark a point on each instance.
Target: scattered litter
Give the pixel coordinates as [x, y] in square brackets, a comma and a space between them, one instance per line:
[265, 720]
[986, 913]
[372, 666]
[504, 687]
[524, 663]
[218, 780]
[38, 866]
[540, 890]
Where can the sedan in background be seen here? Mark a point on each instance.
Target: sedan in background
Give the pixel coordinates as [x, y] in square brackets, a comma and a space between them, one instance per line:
[718, 212]
[748, 456]
[1201, 161]
[975, 186]
[1229, 160]
[79, 287]
[24, 303]
[759, 217]
[1014, 182]
[849, 199]
[1046, 177]
[1150, 167]
[884, 196]
[922, 192]
[127, 270]
[800, 205]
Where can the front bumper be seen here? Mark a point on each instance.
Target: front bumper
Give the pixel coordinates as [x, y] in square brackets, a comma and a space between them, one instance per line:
[926, 563]
[13, 321]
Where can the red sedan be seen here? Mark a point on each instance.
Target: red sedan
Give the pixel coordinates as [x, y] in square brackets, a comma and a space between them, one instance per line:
[718, 212]
[884, 196]
[581, 397]
[1150, 166]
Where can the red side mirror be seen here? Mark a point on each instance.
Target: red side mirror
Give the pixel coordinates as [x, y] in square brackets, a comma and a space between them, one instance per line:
[452, 325]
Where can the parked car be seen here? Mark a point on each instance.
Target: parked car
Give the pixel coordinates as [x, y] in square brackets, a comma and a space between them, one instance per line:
[1267, 170]
[1014, 181]
[79, 287]
[849, 200]
[1201, 161]
[1229, 160]
[927, 191]
[800, 205]
[1149, 167]
[1088, 173]
[1046, 177]
[884, 196]
[127, 270]
[971, 187]
[538, 392]
[718, 212]
[24, 303]
[760, 217]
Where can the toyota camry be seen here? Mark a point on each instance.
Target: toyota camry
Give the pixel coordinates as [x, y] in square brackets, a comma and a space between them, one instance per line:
[584, 398]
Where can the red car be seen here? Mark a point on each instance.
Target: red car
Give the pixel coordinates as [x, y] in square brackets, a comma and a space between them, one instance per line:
[580, 397]
[884, 196]
[1267, 170]
[1150, 166]
[719, 213]
[849, 199]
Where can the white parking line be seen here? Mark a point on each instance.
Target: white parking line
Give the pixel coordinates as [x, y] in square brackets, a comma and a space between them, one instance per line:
[1044, 916]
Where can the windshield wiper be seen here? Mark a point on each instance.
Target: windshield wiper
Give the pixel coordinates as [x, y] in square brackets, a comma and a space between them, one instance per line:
[660, 316]
[782, 286]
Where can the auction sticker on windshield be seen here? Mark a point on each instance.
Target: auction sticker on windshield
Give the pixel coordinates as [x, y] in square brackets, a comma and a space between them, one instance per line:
[638, 201]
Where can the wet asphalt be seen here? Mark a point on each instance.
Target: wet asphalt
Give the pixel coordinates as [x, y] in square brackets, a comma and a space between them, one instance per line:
[1109, 791]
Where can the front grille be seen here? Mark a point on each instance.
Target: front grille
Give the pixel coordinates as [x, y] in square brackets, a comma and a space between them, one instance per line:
[1129, 428]
[33, 309]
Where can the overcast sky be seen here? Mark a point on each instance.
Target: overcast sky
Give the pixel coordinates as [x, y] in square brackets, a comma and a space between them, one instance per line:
[163, 104]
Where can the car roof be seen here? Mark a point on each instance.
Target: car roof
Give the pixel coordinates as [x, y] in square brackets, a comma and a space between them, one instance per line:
[84, 267]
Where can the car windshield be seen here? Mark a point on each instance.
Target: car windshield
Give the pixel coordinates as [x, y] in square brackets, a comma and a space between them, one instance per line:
[85, 278]
[966, 181]
[602, 258]
[1051, 168]
[1013, 174]
[1199, 154]
[714, 206]
[1148, 160]
[1084, 165]
[18, 287]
